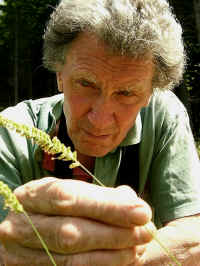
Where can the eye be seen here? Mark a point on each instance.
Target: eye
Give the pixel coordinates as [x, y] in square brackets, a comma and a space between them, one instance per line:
[84, 83]
[125, 93]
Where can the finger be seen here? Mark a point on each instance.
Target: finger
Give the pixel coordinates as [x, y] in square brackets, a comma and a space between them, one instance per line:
[117, 206]
[14, 255]
[70, 234]
[140, 249]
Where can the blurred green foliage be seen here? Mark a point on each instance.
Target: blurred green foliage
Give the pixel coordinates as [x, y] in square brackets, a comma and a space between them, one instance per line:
[198, 147]
[22, 24]
[184, 11]
[26, 20]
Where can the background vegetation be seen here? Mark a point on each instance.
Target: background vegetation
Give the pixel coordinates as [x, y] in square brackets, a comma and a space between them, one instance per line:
[22, 76]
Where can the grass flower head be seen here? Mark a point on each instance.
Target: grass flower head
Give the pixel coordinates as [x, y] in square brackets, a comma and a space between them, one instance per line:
[10, 200]
[42, 139]
[61, 152]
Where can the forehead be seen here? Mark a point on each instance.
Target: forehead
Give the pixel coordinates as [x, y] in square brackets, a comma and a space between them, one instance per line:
[90, 55]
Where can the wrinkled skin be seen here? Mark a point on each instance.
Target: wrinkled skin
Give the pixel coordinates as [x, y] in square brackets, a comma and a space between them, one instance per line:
[100, 227]
[103, 94]
[84, 224]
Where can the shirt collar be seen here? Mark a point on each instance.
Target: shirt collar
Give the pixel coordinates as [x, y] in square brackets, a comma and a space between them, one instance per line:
[132, 137]
[134, 134]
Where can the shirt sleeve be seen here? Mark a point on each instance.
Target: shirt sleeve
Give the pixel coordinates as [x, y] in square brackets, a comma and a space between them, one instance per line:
[15, 150]
[9, 172]
[20, 158]
[175, 169]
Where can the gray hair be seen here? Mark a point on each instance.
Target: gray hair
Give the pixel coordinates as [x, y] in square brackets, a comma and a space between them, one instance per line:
[129, 27]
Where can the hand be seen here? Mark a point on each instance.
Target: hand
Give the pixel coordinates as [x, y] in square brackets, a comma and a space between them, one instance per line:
[82, 225]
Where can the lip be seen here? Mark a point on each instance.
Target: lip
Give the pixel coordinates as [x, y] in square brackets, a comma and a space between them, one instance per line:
[96, 136]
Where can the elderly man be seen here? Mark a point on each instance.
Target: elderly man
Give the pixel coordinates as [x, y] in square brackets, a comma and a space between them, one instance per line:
[115, 61]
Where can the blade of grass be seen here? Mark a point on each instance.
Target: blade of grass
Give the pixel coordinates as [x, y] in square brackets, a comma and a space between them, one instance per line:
[40, 238]
[165, 249]
[54, 146]
[11, 202]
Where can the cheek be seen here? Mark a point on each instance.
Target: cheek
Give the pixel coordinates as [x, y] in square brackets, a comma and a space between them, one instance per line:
[127, 116]
[75, 106]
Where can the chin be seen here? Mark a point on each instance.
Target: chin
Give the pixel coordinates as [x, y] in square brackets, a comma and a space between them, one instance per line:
[95, 152]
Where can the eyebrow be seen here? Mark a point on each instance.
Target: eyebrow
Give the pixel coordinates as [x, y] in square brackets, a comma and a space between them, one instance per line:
[87, 77]
[133, 88]
[93, 80]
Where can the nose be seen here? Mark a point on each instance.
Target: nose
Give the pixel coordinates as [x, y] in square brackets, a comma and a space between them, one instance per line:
[102, 114]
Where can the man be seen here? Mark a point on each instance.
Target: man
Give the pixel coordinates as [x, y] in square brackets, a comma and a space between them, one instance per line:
[115, 61]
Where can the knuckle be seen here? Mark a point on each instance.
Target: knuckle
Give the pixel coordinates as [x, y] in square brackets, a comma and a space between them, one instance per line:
[34, 187]
[141, 235]
[61, 198]
[13, 228]
[26, 191]
[31, 189]
[127, 189]
[68, 238]
[4, 232]
[6, 228]
[127, 194]
[138, 237]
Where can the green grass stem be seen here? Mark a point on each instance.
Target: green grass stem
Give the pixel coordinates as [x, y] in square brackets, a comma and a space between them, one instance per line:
[165, 249]
[44, 245]
[54, 146]
[93, 176]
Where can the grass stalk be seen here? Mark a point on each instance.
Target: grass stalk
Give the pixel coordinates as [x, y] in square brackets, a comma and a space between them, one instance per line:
[11, 202]
[44, 245]
[55, 147]
[165, 249]
[93, 176]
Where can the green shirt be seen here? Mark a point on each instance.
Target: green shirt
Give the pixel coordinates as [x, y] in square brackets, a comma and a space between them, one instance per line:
[169, 167]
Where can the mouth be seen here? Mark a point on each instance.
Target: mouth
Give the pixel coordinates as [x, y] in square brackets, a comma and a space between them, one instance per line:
[97, 136]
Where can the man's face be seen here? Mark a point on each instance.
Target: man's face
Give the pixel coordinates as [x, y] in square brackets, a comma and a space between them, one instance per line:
[103, 94]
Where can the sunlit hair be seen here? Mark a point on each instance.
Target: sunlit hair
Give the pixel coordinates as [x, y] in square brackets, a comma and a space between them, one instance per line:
[129, 27]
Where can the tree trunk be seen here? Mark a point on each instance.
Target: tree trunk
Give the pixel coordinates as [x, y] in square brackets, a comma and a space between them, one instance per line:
[16, 60]
[29, 73]
[197, 16]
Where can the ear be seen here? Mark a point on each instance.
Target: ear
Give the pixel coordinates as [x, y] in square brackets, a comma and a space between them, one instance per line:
[59, 81]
